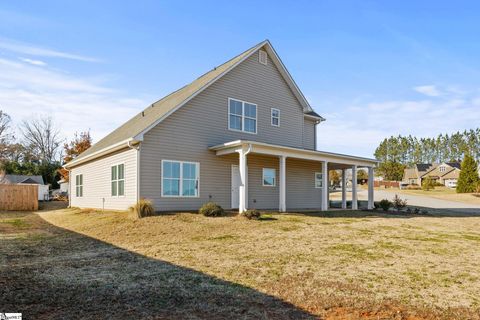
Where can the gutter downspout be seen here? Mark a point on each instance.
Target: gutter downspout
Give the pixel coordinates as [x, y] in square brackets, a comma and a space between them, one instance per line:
[138, 168]
[69, 188]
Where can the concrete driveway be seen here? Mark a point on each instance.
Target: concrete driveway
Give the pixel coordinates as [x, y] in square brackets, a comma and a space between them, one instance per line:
[424, 201]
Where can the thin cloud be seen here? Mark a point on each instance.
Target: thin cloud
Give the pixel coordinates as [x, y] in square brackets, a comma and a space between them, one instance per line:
[430, 90]
[33, 50]
[34, 62]
[76, 103]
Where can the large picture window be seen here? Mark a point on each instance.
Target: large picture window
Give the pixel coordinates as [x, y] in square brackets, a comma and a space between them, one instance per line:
[79, 185]
[180, 178]
[242, 116]
[118, 180]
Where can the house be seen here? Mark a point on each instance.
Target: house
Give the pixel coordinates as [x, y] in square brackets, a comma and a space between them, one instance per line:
[43, 189]
[242, 135]
[446, 173]
[63, 186]
[413, 175]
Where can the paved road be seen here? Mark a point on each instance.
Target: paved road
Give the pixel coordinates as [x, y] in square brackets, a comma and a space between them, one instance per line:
[423, 201]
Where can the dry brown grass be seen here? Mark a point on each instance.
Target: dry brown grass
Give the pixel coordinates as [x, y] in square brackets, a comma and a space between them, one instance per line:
[335, 266]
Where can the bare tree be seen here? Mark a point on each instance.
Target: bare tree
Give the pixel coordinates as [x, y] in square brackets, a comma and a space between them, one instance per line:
[5, 122]
[41, 136]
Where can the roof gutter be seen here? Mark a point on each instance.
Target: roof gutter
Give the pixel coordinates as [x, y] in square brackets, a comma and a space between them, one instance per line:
[114, 147]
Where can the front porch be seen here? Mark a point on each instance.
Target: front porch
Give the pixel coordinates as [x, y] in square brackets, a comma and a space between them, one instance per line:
[326, 161]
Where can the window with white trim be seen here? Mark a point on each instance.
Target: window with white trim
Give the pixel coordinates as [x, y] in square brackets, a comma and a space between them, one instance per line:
[79, 185]
[180, 178]
[242, 116]
[318, 180]
[275, 117]
[269, 177]
[118, 180]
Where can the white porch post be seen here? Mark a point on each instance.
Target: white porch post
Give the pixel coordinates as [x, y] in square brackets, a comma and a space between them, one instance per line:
[282, 207]
[344, 189]
[354, 188]
[370, 187]
[324, 186]
[242, 206]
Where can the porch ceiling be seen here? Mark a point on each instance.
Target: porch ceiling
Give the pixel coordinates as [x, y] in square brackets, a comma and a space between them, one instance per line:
[335, 160]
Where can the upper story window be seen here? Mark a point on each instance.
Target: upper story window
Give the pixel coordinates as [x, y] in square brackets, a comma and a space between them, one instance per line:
[118, 180]
[242, 116]
[79, 185]
[275, 117]
[180, 178]
[442, 169]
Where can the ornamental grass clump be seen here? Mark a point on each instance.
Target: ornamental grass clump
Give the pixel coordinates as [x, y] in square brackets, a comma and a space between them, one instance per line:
[252, 214]
[143, 208]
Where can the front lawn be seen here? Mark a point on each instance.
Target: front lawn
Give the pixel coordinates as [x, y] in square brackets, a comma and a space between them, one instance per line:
[442, 193]
[334, 265]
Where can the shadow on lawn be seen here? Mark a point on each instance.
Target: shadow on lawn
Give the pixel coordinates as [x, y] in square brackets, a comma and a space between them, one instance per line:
[54, 273]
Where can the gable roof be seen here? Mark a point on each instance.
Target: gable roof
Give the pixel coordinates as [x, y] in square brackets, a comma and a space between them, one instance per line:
[454, 164]
[421, 167]
[18, 178]
[133, 130]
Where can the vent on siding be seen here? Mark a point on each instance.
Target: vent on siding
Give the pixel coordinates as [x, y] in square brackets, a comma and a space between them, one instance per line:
[262, 57]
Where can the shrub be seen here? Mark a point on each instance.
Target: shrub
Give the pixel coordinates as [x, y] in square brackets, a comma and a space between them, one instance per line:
[468, 178]
[376, 205]
[251, 214]
[399, 203]
[385, 204]
[428, 184]
[143, 208]
[211, 209]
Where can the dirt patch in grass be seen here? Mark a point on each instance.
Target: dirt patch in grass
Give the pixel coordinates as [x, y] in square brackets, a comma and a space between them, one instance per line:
[333, 266]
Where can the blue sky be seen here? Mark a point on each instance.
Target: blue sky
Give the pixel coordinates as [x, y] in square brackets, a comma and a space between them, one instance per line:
[372, 68]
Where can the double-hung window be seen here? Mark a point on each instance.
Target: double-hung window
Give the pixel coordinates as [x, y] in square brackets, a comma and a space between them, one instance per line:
[118, 180]
[242, 116]
[269, 177]
[180, 178]
[79, 185]
[318, 180]
[275, 117]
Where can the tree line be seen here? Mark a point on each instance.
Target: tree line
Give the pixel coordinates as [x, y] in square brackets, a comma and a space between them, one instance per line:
[37, 148]
[396, 153]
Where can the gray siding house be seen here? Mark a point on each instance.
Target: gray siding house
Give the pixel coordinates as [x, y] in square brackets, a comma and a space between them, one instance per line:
[242, 135]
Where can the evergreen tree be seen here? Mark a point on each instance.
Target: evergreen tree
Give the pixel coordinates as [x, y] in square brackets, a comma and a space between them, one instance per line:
[468, 180]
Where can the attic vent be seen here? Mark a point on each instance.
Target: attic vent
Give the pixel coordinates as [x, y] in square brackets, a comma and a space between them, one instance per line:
[262, 57]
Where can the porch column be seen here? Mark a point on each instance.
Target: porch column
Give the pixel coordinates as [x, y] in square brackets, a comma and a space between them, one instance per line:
[242, 205]
[370, 188]
[324, 186]
[344, 189]
[282, 207]
[354, 188]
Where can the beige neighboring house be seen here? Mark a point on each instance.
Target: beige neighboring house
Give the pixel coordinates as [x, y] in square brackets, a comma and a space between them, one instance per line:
[242, 135]
[413, 175]
[446, 173]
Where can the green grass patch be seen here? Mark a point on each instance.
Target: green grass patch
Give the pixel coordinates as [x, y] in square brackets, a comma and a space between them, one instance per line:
[17, 223]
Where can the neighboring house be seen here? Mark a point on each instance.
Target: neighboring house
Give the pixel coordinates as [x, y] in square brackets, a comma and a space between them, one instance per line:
[413, 175]
[446, 173]
[63, 186]
[27, 179]
[242, 135]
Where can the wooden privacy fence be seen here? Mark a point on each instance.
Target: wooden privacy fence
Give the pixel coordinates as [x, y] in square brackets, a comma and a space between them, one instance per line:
[386, 184]
[21, 197]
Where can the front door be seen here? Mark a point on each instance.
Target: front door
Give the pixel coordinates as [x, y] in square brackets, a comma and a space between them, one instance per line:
[235, 186]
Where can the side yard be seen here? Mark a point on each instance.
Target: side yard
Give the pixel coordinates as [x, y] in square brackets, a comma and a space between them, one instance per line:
[334, 265]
